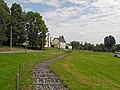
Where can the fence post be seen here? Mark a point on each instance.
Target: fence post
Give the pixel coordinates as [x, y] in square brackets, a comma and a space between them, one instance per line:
[17, 81]
[21, 71]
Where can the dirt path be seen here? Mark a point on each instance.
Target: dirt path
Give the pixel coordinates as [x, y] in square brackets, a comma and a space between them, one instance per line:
[44, 78]
[13, 52]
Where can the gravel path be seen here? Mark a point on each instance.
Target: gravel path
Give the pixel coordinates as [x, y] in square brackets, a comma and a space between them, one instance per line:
[44, 78]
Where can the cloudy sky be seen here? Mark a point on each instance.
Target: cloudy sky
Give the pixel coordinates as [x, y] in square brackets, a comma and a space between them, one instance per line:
[81, 20]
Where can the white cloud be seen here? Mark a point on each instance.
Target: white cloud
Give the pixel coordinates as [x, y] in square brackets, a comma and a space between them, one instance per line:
[82, 34]
[88, 20]
[75, 22]
[54, 3]
[28, 9]
[107, 3]
[78, 1]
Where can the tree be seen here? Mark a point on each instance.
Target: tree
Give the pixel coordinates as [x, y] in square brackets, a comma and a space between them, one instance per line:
[18, 24]
[36, 29]
[109, 41]
[4, 16]
[25, 26]
[88, 46]
[75, 44]
[99, 48]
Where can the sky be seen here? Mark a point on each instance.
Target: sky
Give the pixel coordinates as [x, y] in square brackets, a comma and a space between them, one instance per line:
[80, 20]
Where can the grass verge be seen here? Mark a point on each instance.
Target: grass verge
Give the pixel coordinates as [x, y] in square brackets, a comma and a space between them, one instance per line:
[10, 63]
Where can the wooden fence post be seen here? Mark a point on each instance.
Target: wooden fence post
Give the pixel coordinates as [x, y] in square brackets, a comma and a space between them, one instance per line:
[17, 81]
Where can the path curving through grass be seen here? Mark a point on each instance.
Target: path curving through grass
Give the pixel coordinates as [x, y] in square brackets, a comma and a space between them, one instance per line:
[44, 78]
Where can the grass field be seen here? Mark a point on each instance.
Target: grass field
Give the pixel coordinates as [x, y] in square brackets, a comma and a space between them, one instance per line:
[87, 70]
[10, 63]
[15, 49]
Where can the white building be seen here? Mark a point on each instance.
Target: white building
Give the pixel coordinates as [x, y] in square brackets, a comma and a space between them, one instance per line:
[68, 46]
[48, 40]
[59, 42]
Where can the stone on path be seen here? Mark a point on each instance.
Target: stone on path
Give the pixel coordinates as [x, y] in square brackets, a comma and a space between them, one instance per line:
[44, 78]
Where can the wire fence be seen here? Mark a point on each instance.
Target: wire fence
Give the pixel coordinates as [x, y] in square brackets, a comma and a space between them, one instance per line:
[23, 80]
[19, 78]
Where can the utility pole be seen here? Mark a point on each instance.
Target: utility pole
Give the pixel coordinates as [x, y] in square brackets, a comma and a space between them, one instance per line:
[48, 40]
[11, 39]
[42, 41]
[25, 38]
[26, 45]
[10, 36]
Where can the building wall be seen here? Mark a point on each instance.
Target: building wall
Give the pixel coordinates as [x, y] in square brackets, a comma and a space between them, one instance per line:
[69, 47]
[56, 43]
[62, 45]
[48, 41]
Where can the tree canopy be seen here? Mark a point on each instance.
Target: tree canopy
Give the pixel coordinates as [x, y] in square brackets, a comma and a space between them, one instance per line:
[75, 44]
[18, 27]
[36, 29]
[28, 26]
[4, 16]
[109, 41]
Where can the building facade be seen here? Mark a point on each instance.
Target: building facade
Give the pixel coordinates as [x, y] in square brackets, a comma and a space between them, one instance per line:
[59, 42]
[48, 40]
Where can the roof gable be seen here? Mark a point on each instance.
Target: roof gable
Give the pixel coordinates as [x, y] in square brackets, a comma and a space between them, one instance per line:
[62, 39]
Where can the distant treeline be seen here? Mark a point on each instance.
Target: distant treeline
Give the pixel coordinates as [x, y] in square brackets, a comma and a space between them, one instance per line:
[22, 26]
[108, 46]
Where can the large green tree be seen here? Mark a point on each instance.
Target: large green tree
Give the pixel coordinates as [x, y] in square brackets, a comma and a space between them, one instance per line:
[4, 20]
[109, 41]
[36, 29]
[18, 24]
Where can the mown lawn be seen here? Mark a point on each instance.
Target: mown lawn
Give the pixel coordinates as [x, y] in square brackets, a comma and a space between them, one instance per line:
[87, 70]
[10, 63]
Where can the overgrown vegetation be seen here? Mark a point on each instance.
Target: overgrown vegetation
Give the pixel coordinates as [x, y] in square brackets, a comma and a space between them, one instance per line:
[88, 70]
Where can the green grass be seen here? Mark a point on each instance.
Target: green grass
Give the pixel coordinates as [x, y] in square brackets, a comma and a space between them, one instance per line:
[10, 63]
[87, 70]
